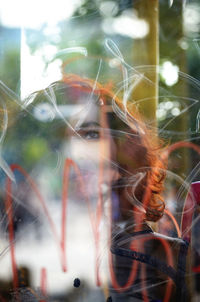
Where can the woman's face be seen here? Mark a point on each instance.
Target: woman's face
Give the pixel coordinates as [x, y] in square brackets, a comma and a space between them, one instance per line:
[104, 148]
[93, 148]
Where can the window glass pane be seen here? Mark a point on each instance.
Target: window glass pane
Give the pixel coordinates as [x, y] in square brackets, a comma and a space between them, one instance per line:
[99, 147]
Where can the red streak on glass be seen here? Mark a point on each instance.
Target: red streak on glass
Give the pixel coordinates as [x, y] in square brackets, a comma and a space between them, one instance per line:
[94, 218]
[43, 285]
[61, 242]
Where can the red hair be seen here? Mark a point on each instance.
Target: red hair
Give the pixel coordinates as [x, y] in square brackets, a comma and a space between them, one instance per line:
[146, 144]
[142, 150]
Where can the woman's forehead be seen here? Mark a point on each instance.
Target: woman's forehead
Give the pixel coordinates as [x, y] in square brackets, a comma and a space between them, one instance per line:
[75, 94]
[83, 101]
[88, 114]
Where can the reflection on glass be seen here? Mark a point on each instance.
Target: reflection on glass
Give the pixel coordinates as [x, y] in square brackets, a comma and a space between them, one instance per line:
[99, 149]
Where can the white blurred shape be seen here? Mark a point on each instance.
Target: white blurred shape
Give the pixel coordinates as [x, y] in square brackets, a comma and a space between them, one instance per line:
[114, 63]
[183, 44]
[161, 114]
[168, 105]
[169, 73]
[191, 18]
[44, 112]
[127, 24]
[35, 75]
[33, 14]
[175, 111]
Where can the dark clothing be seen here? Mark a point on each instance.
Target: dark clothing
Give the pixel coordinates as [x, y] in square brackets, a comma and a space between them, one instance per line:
[151, 253]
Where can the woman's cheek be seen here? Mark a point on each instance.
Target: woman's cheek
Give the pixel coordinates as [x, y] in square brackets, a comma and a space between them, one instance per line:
[95, 160]
[84, 151]
[87, 156]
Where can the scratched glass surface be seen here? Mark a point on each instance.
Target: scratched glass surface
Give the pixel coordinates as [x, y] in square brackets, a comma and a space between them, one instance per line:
[99, 150]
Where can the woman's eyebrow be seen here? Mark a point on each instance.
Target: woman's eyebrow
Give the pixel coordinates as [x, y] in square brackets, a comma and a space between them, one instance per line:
[87, 125]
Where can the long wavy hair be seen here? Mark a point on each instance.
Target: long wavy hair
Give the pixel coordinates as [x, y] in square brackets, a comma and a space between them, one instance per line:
[139, 152]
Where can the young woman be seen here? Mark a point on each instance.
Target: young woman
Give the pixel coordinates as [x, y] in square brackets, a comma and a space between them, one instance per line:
[122, 167]
[115, 166]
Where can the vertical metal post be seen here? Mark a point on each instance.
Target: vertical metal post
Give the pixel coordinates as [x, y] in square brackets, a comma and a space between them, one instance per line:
[146, 53]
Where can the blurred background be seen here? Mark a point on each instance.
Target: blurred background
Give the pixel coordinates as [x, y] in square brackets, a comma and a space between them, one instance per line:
[41, 42]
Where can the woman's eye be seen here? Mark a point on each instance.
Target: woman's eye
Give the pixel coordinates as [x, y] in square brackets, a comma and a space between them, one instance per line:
[91, 134]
